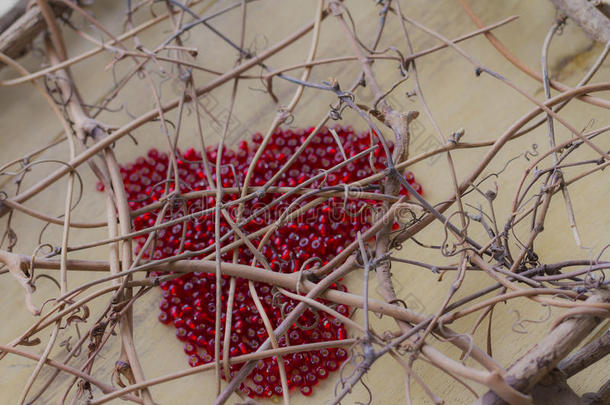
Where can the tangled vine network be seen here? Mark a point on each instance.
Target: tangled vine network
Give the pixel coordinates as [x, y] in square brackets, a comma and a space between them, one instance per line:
[478, 229]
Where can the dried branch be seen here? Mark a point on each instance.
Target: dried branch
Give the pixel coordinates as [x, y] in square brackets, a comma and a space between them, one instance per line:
[585, 356]
[468, 237]
[592, 21]
[544, 356]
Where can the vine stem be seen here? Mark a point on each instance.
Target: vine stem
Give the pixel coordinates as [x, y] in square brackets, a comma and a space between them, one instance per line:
[151, 115]
[544, 356]
[522, 66]
[460, 248]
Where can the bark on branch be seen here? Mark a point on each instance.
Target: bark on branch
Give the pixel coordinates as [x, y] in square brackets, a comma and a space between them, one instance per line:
[588, 17]
[15, 40]
[587, 355]
[530, 369]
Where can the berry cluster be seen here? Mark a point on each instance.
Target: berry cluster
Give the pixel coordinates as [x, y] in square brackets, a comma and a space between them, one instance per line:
[316, 237]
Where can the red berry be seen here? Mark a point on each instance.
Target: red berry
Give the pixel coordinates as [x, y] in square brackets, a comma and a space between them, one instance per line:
[321, 372]
[311, 379]
[189, 302]
[195, 360]
[296, 380]
[164, 318]
[340, 354]
[190, 349]
[259, 390]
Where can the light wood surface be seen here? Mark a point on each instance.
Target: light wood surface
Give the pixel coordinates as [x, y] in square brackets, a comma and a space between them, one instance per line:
[482, 106]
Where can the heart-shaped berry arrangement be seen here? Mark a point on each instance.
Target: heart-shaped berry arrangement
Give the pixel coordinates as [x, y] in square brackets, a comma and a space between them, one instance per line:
[189, 301]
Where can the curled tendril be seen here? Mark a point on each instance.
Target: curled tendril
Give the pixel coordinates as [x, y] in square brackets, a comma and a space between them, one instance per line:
[79, 318]
[336, 113]
[323, 181]
[357, 213]
[527, 154]
[398, 301]
[450, 249]
[283, 311]
[455, 336]
[592, 281]
[38, 248]
[359, 364]
[307, 262]
[518, 325]
[276, 297]
[303, 270]
[66, 343]
[315, 323]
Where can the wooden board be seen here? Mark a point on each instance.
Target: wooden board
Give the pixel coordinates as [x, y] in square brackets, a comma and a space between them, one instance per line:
[484, 107]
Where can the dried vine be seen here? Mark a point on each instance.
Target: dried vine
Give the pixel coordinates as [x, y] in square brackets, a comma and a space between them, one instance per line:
[574, 291]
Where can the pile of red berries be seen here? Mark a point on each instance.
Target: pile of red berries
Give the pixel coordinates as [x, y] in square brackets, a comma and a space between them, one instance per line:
[317, 236]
